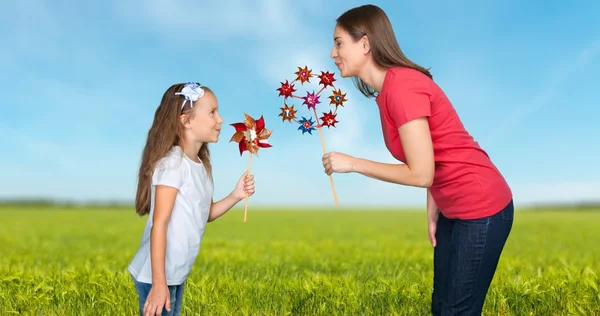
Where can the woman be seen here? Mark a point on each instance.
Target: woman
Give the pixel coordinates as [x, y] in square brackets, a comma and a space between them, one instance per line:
[469, 203]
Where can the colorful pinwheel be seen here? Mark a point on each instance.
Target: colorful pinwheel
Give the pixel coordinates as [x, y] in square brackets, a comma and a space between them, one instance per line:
[311, 100]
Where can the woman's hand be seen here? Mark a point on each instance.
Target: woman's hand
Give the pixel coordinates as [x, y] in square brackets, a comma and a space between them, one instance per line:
[432, 217]
[338, 162]
[158, 297]
[244, 185]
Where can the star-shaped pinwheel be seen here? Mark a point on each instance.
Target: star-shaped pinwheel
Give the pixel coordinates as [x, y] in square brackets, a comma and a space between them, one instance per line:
[287, 113]
[329, 119]
[286, 89]
[311, 100]
[251, 135]
[303, 74]
[306, 125]
[326, 79]
[338, 98]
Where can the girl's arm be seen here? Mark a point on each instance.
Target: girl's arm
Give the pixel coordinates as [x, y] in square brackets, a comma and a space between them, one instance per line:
[165, 199]
[244, 185]
[418, 148]
[222, 207]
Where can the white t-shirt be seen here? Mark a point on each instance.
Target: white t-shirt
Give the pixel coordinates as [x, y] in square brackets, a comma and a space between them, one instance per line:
[188, 218]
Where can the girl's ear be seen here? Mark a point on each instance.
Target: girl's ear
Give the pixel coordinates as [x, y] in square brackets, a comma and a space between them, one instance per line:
[184, 120]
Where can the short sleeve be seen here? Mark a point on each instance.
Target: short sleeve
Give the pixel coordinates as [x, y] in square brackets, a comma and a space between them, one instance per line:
[407, 99]
[169, 172]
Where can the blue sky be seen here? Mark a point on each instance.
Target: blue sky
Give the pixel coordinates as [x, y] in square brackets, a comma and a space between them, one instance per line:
[80, 83]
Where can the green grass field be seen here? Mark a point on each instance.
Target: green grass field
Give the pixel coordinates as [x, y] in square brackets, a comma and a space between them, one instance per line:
[73, 262]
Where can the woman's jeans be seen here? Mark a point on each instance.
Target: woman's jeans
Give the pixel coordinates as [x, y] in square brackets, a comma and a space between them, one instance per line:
[465, 260]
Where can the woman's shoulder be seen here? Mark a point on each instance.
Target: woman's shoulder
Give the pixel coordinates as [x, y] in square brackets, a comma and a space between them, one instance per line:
[405, 73]
[403, 81]
[408, 80]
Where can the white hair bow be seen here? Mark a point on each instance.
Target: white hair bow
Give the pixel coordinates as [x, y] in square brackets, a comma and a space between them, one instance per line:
[192, 91]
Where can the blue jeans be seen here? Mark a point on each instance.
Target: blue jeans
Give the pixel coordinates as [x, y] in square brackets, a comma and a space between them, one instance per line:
[176, 292]
[465, 260]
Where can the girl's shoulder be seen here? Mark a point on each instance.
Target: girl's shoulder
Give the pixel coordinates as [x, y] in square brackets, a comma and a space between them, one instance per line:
[172, 160]
[171, 169]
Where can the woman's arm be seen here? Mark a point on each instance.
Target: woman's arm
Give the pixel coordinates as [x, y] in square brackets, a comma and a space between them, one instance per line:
[431, 206]
[418, 149]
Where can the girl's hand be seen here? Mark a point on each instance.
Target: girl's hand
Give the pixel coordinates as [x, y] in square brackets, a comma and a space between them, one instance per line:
[338, 162]
[158, 297]
[244, 185]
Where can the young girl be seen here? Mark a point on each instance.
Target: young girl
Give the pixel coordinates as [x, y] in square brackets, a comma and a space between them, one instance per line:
[175, 189]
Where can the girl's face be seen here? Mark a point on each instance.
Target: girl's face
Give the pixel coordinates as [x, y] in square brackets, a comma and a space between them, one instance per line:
[349, 56]
[204, 124]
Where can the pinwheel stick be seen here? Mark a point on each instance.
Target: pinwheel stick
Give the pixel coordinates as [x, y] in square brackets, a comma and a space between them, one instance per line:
[337, 203]
[247, 175]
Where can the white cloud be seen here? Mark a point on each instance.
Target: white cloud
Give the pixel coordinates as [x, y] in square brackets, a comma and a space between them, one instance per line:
[31, 29]
[52, 152]
[215, 20]
[561, 73]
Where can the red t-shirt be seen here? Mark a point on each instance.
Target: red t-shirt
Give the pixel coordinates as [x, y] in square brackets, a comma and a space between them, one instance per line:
[466, 184]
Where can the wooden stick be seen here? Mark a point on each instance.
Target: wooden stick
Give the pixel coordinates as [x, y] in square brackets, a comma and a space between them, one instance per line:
[247, 175]
[337, 203]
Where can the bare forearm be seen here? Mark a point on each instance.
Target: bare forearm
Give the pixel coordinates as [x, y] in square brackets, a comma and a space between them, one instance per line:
[158, 241]
[394, 173]
[431, 206]
[221, 207]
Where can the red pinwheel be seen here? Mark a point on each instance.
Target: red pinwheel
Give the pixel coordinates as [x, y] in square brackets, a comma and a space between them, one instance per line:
[326, 79]
[329, 119]
[251, 135]
[286, 89]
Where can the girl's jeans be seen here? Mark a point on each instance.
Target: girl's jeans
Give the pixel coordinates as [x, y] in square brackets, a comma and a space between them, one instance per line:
[176, 291]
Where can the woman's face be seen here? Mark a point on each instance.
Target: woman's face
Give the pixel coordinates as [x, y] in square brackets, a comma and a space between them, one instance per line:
[349, 56]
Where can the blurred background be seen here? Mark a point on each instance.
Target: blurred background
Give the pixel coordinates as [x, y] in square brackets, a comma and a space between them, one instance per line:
[80, 82]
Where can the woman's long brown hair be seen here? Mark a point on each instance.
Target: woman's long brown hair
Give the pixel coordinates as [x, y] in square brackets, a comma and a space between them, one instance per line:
[372, 21]
[165, 132]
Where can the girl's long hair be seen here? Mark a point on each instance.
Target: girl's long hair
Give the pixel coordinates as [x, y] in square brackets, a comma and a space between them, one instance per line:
[166, 131]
